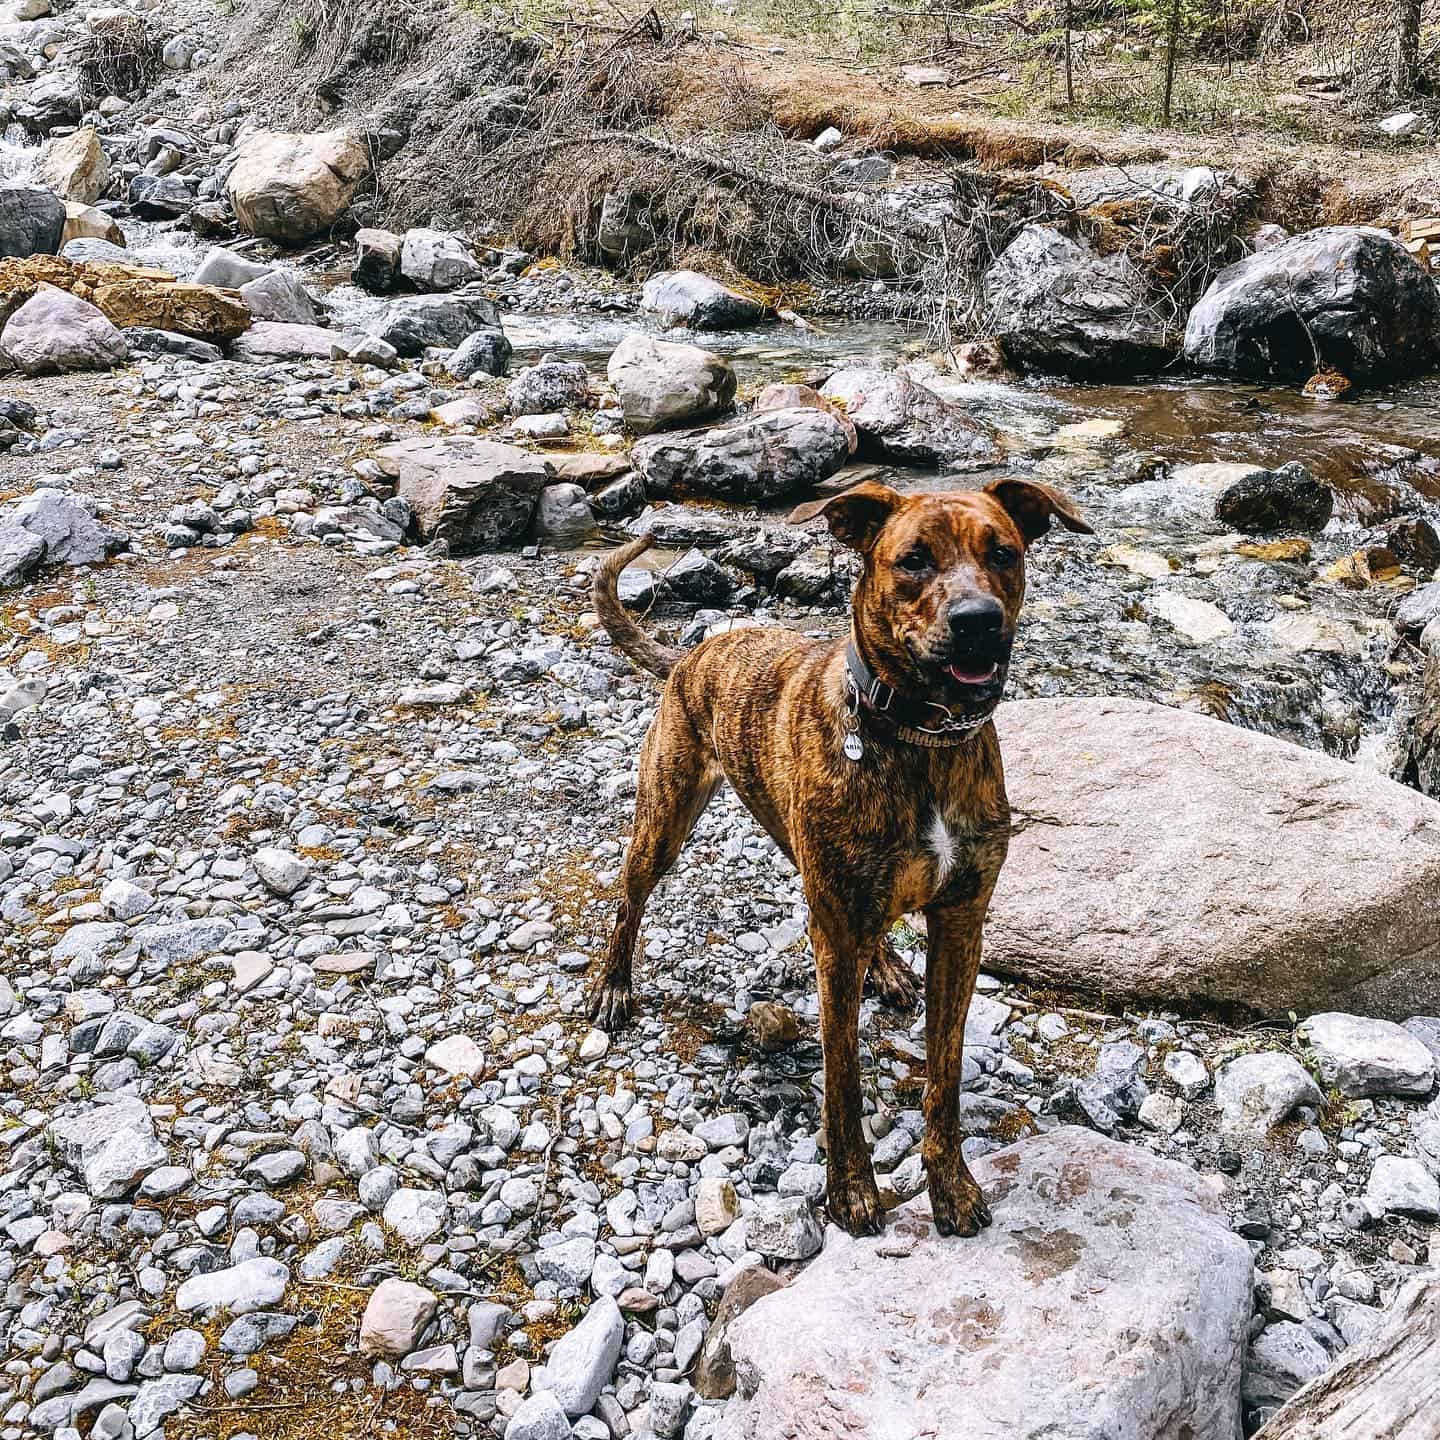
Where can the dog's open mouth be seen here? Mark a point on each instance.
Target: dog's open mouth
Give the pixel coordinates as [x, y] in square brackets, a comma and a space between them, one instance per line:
[972, 672]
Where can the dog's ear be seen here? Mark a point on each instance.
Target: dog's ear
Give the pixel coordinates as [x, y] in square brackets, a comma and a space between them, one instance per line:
[855, 516]
[1031, 505]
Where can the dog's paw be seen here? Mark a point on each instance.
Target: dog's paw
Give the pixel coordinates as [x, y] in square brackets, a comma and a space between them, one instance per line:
[854, 1204]
[893, 980]
[610, 1006]
[957, 1202]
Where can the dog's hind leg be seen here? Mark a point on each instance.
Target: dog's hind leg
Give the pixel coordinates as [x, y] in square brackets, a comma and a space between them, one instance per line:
[678, 775]
[891, 978]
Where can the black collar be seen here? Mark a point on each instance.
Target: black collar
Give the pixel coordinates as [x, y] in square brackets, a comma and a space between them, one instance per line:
[919, 722]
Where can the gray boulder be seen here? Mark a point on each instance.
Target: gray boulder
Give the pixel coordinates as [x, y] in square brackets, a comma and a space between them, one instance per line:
[688, 298]
[55, 331]
[564, 513]
[899, 419]
[143, 340]
[662, 385]
[1362, 1056]
[1346, 297]
[471, 493]
[486, 352]
[278, 295]
[549, 387]
[417, 321]
[1254, 1093]
[1016, 1332]
[1055, 305]
[761, 458]
[21, 554]
[63, 526]
[433, 260]
[32, 222]
[111, 1147]
[1309, 882]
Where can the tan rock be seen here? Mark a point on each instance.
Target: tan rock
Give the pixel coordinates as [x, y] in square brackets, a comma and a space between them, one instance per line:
[85, 222]
[717, 1206]
[129, 295]
[75, 167]
[395, 1317]
[293, 187]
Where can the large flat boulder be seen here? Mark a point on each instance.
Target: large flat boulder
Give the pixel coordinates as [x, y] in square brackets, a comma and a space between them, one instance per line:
[1053, 304]
[471, 493]
[1056, 1322]
[1346, 297]
[270, 340]
[293, 187]
[1159, 854]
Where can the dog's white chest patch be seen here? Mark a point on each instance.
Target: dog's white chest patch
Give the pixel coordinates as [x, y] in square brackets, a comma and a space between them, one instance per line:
[944, 844]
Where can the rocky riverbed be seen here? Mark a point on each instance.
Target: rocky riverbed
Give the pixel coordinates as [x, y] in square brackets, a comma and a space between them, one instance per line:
[316, 775]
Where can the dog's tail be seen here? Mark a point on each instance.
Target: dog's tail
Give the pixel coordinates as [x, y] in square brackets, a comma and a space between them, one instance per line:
[648, 654]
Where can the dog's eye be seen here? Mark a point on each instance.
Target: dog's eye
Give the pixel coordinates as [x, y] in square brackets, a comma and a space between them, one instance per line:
[1004, 556]
[916, 560]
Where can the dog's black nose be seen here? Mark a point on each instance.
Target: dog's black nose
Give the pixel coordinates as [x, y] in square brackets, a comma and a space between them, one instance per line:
[976, 620]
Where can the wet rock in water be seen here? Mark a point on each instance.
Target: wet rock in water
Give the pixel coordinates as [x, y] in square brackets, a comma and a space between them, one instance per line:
[802, 397]
[377, 260]
[86, 250]
[899, 419]
[55, 331]
[1014, 1331]
[486, 352]
[1255, 1093]
[228, 270]
[1346, 297]
[1360, 1056]
[280, 296]
[548, 387]
[1418, 609]
[763, 458]
[32, 222]
[472, 493]
[270, 340]
[662, 385]
[414, 323]
[293, 187]
[75, 167]
[688, 298]
[434, 260]
[85, 222]
[1114, 798]
[1053, 304]
[564, 513]
[1289, 498]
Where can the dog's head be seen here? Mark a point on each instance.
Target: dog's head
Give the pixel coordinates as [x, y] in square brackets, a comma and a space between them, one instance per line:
[937, 605]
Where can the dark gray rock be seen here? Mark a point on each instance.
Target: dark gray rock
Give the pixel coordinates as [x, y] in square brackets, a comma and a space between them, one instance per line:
[1289, 498]
[415, 322]
[688, 298]
[1346, 297]
[377, 261]
[145, 341]
[31, 222]
[486, 352]
[1053, 304]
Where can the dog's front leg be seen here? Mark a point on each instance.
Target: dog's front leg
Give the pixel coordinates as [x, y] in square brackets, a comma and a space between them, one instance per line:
[952, 963]
[841, 959]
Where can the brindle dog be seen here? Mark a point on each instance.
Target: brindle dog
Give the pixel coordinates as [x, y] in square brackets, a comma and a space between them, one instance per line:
[874, 766]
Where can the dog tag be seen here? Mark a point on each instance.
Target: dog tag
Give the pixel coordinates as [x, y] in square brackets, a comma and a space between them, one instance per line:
[852, 747]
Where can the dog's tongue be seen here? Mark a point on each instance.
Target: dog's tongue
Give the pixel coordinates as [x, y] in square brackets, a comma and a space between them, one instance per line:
[970, 675]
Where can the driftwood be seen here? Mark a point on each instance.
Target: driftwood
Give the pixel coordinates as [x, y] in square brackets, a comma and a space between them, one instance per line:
[1385, 1388]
